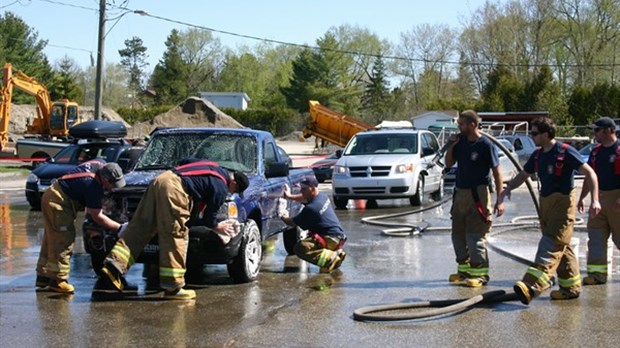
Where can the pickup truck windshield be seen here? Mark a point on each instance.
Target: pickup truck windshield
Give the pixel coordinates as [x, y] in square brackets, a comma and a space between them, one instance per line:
[382, 143]
[232, 151]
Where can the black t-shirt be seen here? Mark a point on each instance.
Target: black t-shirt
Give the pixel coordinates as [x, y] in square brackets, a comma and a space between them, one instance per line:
[474, 159]
[605, 166]
[547, 162]
[318, 216]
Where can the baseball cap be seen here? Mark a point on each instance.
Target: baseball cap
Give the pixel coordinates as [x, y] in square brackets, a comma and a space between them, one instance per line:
[309, 181]
[242, 182]
[604, 122]
[113, 173]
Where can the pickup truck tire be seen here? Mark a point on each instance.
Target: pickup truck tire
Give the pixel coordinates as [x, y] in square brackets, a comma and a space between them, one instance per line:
[418, 197]
[245, 266]
[290, 237]
[340, 203]
[35, 202]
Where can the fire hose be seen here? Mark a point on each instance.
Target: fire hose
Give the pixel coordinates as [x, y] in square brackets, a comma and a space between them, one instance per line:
[450, 306]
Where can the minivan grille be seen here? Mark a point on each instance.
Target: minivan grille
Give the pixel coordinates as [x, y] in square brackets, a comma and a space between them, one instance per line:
[372, 171]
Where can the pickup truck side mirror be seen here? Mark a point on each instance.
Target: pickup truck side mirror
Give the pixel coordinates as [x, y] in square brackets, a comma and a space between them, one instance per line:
[124, 163]
[338, 153]
[276, 169]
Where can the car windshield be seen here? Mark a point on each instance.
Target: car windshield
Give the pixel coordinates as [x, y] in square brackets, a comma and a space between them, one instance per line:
[76, 154]
[232, 151]
[386, 143]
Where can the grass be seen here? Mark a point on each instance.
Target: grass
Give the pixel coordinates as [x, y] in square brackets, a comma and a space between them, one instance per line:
[21, 169]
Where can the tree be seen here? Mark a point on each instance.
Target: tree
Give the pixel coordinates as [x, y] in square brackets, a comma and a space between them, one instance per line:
[133, 59]
[65, 83]
[376, 97]
[168, 78]
[309, 76]
[203, 57]
[20, 46]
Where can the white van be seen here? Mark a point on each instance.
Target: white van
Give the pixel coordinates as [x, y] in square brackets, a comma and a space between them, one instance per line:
[388, 164]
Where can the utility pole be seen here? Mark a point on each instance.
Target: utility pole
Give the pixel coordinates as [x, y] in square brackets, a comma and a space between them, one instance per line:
[100, 61]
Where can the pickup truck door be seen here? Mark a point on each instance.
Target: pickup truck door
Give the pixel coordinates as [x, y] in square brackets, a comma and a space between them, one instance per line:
[273, 189]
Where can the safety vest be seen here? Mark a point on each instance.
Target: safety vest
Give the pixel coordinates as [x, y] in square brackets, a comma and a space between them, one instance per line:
[595, 151]
[199, 168]
[80, 175]
[559, 161]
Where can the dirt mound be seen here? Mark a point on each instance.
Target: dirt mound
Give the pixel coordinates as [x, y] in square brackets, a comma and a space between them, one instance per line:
[22, 115]
[193, 112]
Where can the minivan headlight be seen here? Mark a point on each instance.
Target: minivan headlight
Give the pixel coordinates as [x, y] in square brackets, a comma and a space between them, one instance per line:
[340, 170]
[404, 168]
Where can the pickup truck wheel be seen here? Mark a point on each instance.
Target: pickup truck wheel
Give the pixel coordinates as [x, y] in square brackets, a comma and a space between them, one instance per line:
[96, 260]
[245, 266]
[438, 195]
[35, 202]
[340, 203]
[290, 237]
[418, 198]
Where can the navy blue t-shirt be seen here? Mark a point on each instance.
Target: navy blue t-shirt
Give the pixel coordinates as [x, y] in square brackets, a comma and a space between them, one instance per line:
[208, 189]
[86, 190]
[605, 167]
[474, 162]
[318, 216]
[550, 182]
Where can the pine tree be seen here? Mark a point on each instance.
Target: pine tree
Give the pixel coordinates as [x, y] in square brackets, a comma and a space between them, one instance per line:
[167, 79]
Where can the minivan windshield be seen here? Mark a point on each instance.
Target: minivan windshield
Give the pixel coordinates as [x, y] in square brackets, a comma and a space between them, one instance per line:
[382, 143]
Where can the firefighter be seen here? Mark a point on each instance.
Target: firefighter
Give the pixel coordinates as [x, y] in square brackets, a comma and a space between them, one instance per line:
[471, 208]
[164, 210]
[605, 161]
[555, 163]
[82, 187]
[323, 246]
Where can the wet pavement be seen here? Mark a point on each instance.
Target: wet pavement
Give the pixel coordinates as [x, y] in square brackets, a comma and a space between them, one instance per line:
[292, 305]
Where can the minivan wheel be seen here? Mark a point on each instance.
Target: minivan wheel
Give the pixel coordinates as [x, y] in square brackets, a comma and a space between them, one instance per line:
[340, 203]
[418, 198]
[438, 195]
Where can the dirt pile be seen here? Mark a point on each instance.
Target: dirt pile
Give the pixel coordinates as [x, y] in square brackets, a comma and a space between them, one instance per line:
[193, 112]
[22, 115]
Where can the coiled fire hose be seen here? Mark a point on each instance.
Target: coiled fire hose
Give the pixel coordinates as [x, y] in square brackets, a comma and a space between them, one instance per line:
[450, 306]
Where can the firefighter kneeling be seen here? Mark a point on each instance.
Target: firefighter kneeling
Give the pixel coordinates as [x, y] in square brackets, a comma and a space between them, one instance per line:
[323, 246]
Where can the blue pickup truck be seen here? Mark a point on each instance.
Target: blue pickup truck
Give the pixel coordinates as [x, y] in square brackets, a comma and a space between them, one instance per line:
[253, 152]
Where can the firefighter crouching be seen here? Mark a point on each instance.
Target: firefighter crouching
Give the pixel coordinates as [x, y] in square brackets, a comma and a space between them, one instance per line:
[164, 210]
[323, 246]
[82, 187]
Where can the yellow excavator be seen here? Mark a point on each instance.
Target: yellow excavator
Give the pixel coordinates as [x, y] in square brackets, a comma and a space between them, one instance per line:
[53, 118]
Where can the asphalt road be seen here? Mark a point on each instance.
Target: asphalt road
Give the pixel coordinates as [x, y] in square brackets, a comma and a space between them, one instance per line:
[292, 305]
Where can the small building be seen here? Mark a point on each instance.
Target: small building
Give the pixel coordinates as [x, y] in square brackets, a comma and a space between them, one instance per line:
[235, 100]
[433, 118]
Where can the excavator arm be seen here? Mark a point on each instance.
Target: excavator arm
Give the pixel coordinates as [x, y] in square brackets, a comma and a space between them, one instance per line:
[52, 118]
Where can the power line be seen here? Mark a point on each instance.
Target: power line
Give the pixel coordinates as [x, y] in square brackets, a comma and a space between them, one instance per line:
[357, 53]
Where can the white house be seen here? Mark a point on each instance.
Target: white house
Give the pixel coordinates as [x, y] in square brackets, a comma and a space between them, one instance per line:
[235, 100]
[424, 120]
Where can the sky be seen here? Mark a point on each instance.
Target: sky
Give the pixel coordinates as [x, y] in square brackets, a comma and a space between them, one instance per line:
[71, 26]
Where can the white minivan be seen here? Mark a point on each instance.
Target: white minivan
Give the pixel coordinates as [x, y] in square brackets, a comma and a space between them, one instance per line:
[387, 164]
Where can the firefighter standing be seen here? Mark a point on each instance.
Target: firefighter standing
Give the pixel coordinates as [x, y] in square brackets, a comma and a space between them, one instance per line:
[323, 246]
[471, 207]
[82, 187]
[164, 210]
[605, 161]
[555, 163]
